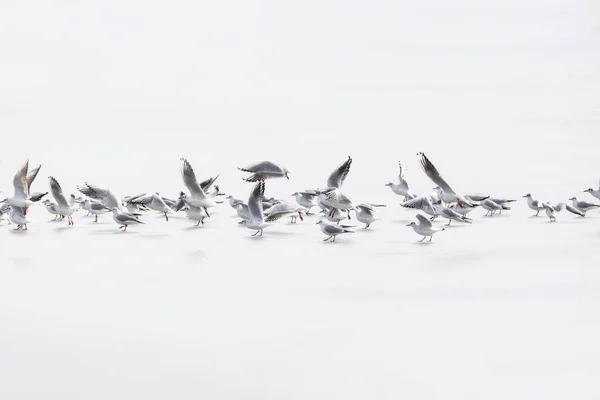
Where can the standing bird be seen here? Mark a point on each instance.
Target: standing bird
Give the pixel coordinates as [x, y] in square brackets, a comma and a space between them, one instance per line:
[192, 212]
[154, 202]
[447, 194]
[583, 206]
[365, 213]
[533, 204]
[401, 188]
[450, 214]
[62, 205]
[124, 219]
[332, 194]
[198, 197]
[424, 228]
[306, 199]
[491, 207]
[52, 208]
[595, 193]
[104, 196]
[94, 208]
[333, 230]
[17, 216]
[255, 207]
[264, 170]
[284, 209]
[550, 211]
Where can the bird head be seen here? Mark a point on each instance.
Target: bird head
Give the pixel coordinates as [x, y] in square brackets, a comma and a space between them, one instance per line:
[411, 224]
[295, 194]
[320, 222]
[573, 198]
[389, 184]
[528, 195]
[588, 190]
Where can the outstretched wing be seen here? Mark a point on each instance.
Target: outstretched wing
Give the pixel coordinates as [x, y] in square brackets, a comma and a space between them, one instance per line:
[263, 167]
[424, 221]
[433, 174]
[255, 201]
[144, 199]
[208, 183]
[57, 193]
[104, 196]
[338, 176]
[416, 203]
[189, 178]
[400, 172]
[20, 182]
[31, 176]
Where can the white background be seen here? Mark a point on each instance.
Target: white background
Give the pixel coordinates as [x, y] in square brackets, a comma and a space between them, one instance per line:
[503, 96]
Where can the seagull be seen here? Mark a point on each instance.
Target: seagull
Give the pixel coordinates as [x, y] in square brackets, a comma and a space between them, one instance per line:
[401, 188]
[334, 198]
[62, 206]
[336, 217]
[265, 170]
[37, 196]
[198, 197]
[124, 219]
[256, 221]
[94, 208]
[283, 209]
[569, 208]
[550, 211]
[422, 203]
[448, 195]
[595, 193]
[21, 185]
[463, 208]
[365, 213]
[491, 207]
[154, 202]
[232, 201]
[242, 211]
[333, 230]
[338, 176]
[132, 208]
[104, 196]
[450, 214]
[17, 216]
[306, 199]
[424, 228]
[476, 197]
[583, 206]
[193, 213]
[504, 203]
[533, 204]
[52, 208]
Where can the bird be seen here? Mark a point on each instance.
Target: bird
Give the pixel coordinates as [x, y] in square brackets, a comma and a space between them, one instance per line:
[423, 203]
[569, 208]
[62, 205]
[284, 209]
[550, 211]
[462, 208]
[256, 221]
[192, 212]
[476, 197]
[338, 176]
[401, 188]
[365, 213]
[424, 227]
[594, 192]
[583, 206]
[450, 214]
[52, 209]
[448, 195]
[95, 208]
[264, 170]
[306, 199]
[124, 219]
[334, 198]
[232, 201]
[104, 196]
[4, 210]
[37, 196]
[21, 186]
[333, 230]
[17, 216]
[332, 194]
[337, 216]
[198, 197]
[154, 202]
[533, 204]
[491, 207]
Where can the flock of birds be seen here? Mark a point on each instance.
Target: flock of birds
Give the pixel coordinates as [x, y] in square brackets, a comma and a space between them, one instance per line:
[258, 211]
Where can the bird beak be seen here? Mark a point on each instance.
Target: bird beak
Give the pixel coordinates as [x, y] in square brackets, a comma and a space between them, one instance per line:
[407, 224]
[317, 223]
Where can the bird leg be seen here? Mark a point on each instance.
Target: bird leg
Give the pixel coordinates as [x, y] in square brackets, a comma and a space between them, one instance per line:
[424, 237]
[166, 217]
[255, 233]
[327, 238]
[430, 237]
[333, 239]
[206, 211]
[449, 222]
[537, 213]
[349, 215]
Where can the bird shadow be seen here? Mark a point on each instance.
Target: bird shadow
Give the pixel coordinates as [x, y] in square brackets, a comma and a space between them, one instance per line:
[280, 233]
[402, 221]
[63, 228]
[150, 236]
[423, 243]
[18, 232]
[194, 227]
[113, 232]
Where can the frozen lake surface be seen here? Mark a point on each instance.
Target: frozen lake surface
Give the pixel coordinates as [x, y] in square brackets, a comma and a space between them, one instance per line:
[502, 97]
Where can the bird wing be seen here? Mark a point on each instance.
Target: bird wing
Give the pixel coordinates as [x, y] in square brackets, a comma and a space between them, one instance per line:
[189, 178]
[401, 172]
[255, 201]
[433, 174]
[20, 182]
[37, 196]
[31, 176]
[105, 196]
[417, 202]
[144, 199]
[338, 176]
[263, 167]
[57, 192]
[424, 221]
[332, 229]
[205, 185]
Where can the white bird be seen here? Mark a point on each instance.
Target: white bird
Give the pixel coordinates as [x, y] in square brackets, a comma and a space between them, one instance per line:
[104, 196]
[62, 205]
[52, 209]
[463, 208]
[491, 207]
[4, 210]
[569, 208]
[338, 176]
[331, 231]
[533, 204]
[198, 197]
[550, 211]
[583, 206]
[401, 188]
[17, 216]
[124, 219]
[284, 209]
[94, 208]
[256, 221]
[242, 211]
[337, 216]
[22, 182]
[264, 170]
[306, 199]
[593, 192]
[423, 203]
[194, 213]
[154, 202]
[424, 228]
[334, 198]
[366, 214]
[450, 214]
[448, 195]
[232, 201]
